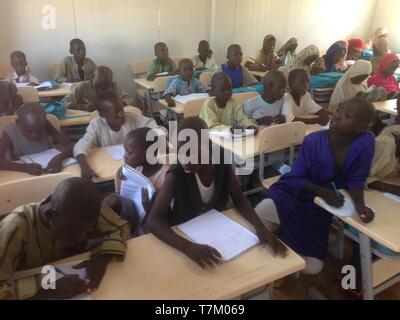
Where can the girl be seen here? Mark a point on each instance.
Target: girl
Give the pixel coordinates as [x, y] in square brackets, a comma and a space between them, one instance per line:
[195, 188]
[305, 59]
[379, 33]
[328, 63]
[355, 49]
[267, 59]
[380, 49]
[342, 156]
[288, 51]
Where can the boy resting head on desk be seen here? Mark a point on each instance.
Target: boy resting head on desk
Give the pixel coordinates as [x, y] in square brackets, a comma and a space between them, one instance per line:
[56, 228]
[32, 133]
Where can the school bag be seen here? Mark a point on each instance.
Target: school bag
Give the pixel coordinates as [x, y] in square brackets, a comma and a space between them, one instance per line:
[57, 109]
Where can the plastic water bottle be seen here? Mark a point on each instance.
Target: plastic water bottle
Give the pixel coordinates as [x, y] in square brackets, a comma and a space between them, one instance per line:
[282, 168]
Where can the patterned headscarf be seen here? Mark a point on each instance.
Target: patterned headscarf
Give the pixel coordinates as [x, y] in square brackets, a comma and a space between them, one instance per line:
[298, 61]
[284, 50]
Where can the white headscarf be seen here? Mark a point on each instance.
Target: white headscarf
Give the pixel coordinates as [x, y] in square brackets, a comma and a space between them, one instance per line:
[345, 89]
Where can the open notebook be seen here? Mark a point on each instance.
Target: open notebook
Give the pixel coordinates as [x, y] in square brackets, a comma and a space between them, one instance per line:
[117, 152]
[229, 136]
[191, 97]
[131, 188]
[44, 158]
[216, 230]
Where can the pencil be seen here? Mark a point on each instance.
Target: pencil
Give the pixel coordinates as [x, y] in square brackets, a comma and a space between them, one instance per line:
[336, 190]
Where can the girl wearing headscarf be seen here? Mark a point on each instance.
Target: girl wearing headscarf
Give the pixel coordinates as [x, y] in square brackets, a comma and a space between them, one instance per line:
[386, 163]
[267, 59]
[378, 34]
[354, 83]
[355, 49]
[328, 62]
[384, 76]
[288, 51]
[380, 49]
[304, 59]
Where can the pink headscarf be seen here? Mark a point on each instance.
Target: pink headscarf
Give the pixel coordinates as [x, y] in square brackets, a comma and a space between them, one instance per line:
[380, 80]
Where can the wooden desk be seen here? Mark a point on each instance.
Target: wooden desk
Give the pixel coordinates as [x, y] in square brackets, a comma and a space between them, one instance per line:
[99, 160]
[76, 118]
[144, 83]
[62, 91]
[149, 87]
[178, 109]
[389, 106]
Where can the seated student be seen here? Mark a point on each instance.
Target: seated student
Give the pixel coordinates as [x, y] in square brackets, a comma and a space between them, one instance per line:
[353, 83]
[288, 51]
[299, 101]
[269, 109]
[109, 128]
[380, 49]
[204, 59]
[83, 95]
[58, 227]
[386, 163]
[240, 76]
[195, 189]
[342, 156]
[342, 66]
[328, 63]
[305, 58]
[184, 83]
[379, 33]
[222, 112]
[32, 133]
[21, 73]
[136, 147]
[355, 49]
[163, 63]
[10, 100]
[267, 59]
[77, 67]
[384, 76]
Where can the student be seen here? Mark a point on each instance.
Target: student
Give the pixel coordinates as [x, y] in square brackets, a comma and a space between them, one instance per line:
[162, 64]
[384, 76]
[305, 58]
[21, 73]
[204, 59]
[328, 63]
[77, 67]
[342, 66]
[354, 83]
[342, 156]
[355, 49]
[379, 33]
[266, 59]
[268, 109]
[195, 189]
[299, 101]
[136, 146]
[380, 49]
[386, 163]
[83, 95]
[109, 128]
[222, 112]
[288, 51]
[57, 228]
[240, 76]
[10, 100]
[32, 133]
[184, 83]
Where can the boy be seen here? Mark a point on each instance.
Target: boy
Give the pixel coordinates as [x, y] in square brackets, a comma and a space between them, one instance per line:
[269, 109]
[10, 100]
[340, 156]
[194, 189]
[183, 84]
[83, 95]
[240, 76]
[77, 67]
[56, 228]
[162, 63]
[108, 129]
[21, 73]
[221, 112]
[204, 59]
[32, 133]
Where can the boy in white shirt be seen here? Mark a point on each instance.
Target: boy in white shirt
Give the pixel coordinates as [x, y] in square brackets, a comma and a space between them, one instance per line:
[204, 59]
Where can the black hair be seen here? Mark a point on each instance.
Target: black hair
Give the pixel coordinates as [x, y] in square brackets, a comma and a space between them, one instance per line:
[16, 55]
[204, 43]
[183, 61]
[366, 109]
[140, 135]
[294, 74]
[105, 96]
[33, 108]
[158, 45]
[271, 76]
[218, 78]
[232, 47]
[74, 42]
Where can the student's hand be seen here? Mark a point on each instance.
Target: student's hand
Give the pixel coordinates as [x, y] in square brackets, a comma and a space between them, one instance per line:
[365, 213]
[237, 128]
[88, 173]
[171, 102]
[280, 119]
[147, 203]
[121, 176]
[95, 268]
[269, 238]
[55, 165]
[331, 197]
[203, 255]
[66, 288]
[255, 128]
[152, 77]
[266, 121]
[33, 169]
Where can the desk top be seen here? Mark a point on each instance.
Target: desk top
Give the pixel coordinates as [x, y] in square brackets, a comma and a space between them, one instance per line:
[99, 160]
[75, 118]
[389, 106]
[179, 107]
[149, 85]
[62, 91]
[259, 74]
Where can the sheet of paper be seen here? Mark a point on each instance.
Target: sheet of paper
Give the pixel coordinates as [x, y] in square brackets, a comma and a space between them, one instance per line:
[116, 152]
[392, 196]
[162, 74]
[131, 188]
[44, 158]
[82, 273]
[22, 84]
[45, 84]
[228, 135]
[191, 97]
[214, 229]
[348, 209]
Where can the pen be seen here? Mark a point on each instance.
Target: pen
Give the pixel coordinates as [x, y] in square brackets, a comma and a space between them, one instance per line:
[336, 190]
[61, 272]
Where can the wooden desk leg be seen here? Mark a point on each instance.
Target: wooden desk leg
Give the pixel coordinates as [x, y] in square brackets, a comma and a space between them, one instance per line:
[366, 266]
[149, 104]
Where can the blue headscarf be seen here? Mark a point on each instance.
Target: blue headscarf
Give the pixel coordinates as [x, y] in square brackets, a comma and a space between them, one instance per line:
[333, 49]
